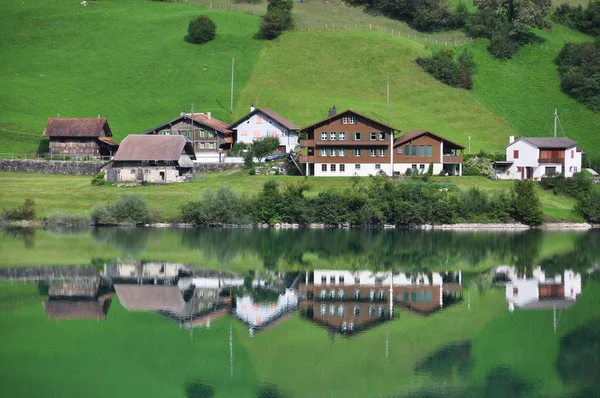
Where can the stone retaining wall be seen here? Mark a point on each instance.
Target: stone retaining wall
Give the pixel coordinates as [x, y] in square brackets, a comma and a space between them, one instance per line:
[51, 167]
[213, 167]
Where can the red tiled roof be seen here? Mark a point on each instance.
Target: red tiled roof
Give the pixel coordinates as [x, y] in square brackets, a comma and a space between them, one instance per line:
[411, 135]
[108, 141]
[76, 127]
[137, 147]
[211, 122]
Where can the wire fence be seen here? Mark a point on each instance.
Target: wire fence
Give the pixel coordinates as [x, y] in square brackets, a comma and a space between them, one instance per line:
[55, 157]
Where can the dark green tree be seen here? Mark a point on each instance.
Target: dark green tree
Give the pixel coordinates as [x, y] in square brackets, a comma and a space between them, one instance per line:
[277, 19]
[527, 206]
[264, 146]
[201, 29]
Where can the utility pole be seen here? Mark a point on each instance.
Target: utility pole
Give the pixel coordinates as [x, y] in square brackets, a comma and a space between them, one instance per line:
[232, 74]
[391, 131]
[555, 119]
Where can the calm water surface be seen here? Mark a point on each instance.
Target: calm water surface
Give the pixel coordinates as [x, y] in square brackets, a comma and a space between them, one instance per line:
[269, 313]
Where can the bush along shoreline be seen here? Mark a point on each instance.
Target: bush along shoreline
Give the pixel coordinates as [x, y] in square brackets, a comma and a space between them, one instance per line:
[377, 202]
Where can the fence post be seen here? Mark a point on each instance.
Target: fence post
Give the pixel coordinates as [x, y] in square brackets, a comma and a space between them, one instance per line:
[446, 43]
[370, 27]
[354, 26]
[392, 31]
[210, 5]
[332, 26]
[325, 26]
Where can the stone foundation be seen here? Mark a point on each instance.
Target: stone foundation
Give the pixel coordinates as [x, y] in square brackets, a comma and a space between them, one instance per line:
[51, 167]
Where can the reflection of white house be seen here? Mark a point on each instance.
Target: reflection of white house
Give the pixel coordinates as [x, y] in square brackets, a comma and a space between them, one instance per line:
[143, 271]
[260, 314]
[209, 283]
[262, 123]
[540, 291]
[533, 158]
[368, 278]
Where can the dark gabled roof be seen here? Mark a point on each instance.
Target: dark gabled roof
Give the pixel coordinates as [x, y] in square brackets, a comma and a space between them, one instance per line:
[341, 114]
[77, 127]
[150, 298]
[201, 118]
[65, 309]
[411, 135]
[548, 142]
[270, 113]
[547, 304]
[137, 147]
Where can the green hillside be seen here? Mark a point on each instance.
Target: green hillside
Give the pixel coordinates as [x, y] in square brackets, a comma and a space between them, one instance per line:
[128, 61]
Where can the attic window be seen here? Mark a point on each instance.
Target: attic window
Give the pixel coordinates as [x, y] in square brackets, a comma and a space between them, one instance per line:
[515, 291]
[259, 119]
[348, 120]
[516, 154]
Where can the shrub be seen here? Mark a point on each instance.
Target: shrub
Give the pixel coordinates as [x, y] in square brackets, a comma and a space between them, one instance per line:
[503, 45]
[479, 166]
[277, 19]
[129, 208]
[99, 179]
[527, 207]
[579, 68]
[586, 21]
[24, 212]
[443, 67]
[577, 186]
[201, 29]
[59, 218]
[102, 215]
[588, 206]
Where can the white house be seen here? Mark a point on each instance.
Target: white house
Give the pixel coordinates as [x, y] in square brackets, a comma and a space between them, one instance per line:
[533, 158]
[260, 314]
[264, 122]
[541, 291]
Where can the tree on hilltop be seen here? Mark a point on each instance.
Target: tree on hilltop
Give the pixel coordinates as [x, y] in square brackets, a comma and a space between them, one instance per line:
[277, 19]
[201, 29]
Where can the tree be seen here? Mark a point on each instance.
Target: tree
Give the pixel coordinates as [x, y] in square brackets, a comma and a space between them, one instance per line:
[264, 146]
[579, 70]
[527, 206]
[277, 19]
[201, 29]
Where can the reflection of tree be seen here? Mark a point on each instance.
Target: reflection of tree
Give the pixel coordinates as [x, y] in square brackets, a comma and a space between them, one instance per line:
[199, 389]
[586, 252]
[447, 361]
[130, 241]
[579, 358]
[269, 391]
[502, 383]
[27, 235]
[526, 250]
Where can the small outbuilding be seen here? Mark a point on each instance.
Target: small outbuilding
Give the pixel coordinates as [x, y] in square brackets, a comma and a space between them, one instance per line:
[80, 137]
[152, 158]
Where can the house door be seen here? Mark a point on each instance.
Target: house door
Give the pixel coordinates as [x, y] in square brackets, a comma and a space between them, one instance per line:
[529, 173]
[162, 176]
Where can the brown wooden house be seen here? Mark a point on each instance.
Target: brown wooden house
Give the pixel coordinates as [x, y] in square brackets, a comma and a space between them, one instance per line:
[80, 137]
[346, 144]
[420, 149]
[206, 134]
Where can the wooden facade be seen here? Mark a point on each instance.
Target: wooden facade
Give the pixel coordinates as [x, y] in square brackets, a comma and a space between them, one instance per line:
[421, 149]
[80, 137]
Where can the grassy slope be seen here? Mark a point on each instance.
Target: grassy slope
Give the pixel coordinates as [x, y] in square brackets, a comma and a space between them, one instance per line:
[126, 60]
[75, 194]
[302, 74]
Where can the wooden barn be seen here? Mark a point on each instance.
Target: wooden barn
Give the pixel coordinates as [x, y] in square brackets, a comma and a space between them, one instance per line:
[80, 137]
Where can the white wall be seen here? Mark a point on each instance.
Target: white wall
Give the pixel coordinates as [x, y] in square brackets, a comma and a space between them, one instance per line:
[151, 174]
[572, 284]
[402, 167]
[267, 128]
[366, 169]
[261, 314]
[572, 166]
[369, 278]
[528, 290]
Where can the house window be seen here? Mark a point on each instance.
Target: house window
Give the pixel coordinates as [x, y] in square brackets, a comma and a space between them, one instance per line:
[382, 136]
[406, 297]
[407, 150]
[244, 133]
[414, 150]
[399, 150]
[256, 134]
[381, 312]
[342, 168]
[324, 136]
[381, 295]
[550, 171]
[132, 171]
[211, 145]
[428, 296]
[357, 136]
[341, 136]
[357, 152]
[516, 154]
[356, 310]
[341, 294]
[372, 152]
[342, 152]
[413, 297]
[382, 152]
[323, 152]
[323, 309]
[519, 169]
[333, 167]
[356, 295]
[323, 167]
[357, 167]
[372, 136]
[202, 145]
[371, 310]
[348, 120]
[572, 154]
[202, 133]
[421, 150]
[429, 152]
[332, 152]
[333, 136]
[259, 119]
[332, 280]
[377, 167]
[341, 310]
[515, 291]
[421, 297]
[341, 277]
[323, 280]
[422, 166]
[414, 166]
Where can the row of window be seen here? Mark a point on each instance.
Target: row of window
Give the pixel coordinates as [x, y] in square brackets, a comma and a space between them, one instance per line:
[408, 297]
[341, 310]
[189, 133]
[206, 145]
[258, 134]
[333, 167]
[417, 150]
[354, 152]
[341, 136]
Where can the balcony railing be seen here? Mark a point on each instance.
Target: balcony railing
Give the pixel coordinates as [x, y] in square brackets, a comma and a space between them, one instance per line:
[307, 159]
[307, 143]
[551, 160]
[456, 159]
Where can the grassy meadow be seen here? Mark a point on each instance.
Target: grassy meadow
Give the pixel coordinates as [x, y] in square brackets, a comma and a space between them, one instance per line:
[75, 194]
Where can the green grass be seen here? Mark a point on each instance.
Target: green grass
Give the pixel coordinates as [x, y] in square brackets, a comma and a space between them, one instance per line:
[125, 60]
[19, 143]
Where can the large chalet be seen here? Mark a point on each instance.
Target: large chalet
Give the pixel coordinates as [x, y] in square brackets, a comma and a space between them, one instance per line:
[80, 137]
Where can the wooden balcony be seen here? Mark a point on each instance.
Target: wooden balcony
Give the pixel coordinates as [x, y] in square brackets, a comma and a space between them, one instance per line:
[551, 160]
[352, 143]
[307, 159]
[307, 143]
[452, 159]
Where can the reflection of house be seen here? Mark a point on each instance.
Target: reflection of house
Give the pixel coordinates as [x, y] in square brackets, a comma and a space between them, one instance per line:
[533, 158]
[417, 150]
[144, 272]
[540, 291]
[208, 136]
[157, 159]
[260, 314]
[150, 298]
[347, 301]
[69, 309]
[262, 123]
[79, 287]
[80, 137]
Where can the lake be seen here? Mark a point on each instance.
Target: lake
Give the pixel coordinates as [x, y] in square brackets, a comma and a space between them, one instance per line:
[140, 312]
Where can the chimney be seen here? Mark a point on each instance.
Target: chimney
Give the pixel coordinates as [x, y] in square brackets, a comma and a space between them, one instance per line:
[332, 112]
[182, 113]
[511, 139]
[252, 108]
[208, 114]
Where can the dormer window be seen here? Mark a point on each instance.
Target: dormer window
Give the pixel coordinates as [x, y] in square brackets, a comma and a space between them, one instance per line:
[348, 120]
